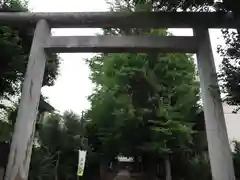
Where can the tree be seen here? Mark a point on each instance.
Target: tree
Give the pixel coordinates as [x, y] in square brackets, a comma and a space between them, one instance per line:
[167, 5]
[55, 155]
[176, 5]
[230, 70]
[130, 97]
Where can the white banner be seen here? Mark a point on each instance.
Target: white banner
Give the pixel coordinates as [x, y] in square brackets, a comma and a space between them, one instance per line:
[81, 162]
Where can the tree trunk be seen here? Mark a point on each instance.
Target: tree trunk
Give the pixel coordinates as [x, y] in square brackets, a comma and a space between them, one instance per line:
[22, 140]
[168, 168]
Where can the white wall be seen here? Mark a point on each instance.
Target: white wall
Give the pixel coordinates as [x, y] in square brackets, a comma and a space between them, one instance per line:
[232, 122]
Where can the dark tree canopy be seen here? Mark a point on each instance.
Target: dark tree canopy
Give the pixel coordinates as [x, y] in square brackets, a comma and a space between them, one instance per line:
[230, 52]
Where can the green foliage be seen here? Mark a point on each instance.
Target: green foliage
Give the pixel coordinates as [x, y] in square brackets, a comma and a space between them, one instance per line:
[13, 6]
[7, 120]
[143, 103]
[5, 131]
[164, 5]
[55, 155]
[129, 96]
[200, 168]
[181, 5]
[230, 69]
[236, 158]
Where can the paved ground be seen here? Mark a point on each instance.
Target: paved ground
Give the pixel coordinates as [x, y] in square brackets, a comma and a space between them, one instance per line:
[123, 175]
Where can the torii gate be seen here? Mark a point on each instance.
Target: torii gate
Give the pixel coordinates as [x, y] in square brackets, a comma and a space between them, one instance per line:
[218, 144]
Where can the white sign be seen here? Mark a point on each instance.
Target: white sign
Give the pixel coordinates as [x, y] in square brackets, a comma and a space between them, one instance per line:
[81, 162]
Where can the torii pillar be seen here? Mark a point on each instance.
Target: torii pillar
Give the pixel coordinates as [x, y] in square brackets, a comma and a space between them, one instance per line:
[21, 145]
[217, 137]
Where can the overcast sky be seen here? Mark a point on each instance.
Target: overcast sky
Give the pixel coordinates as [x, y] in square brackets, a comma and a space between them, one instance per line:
[73, 86]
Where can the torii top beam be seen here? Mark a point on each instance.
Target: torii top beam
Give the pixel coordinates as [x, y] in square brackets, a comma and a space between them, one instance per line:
[123, 19]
